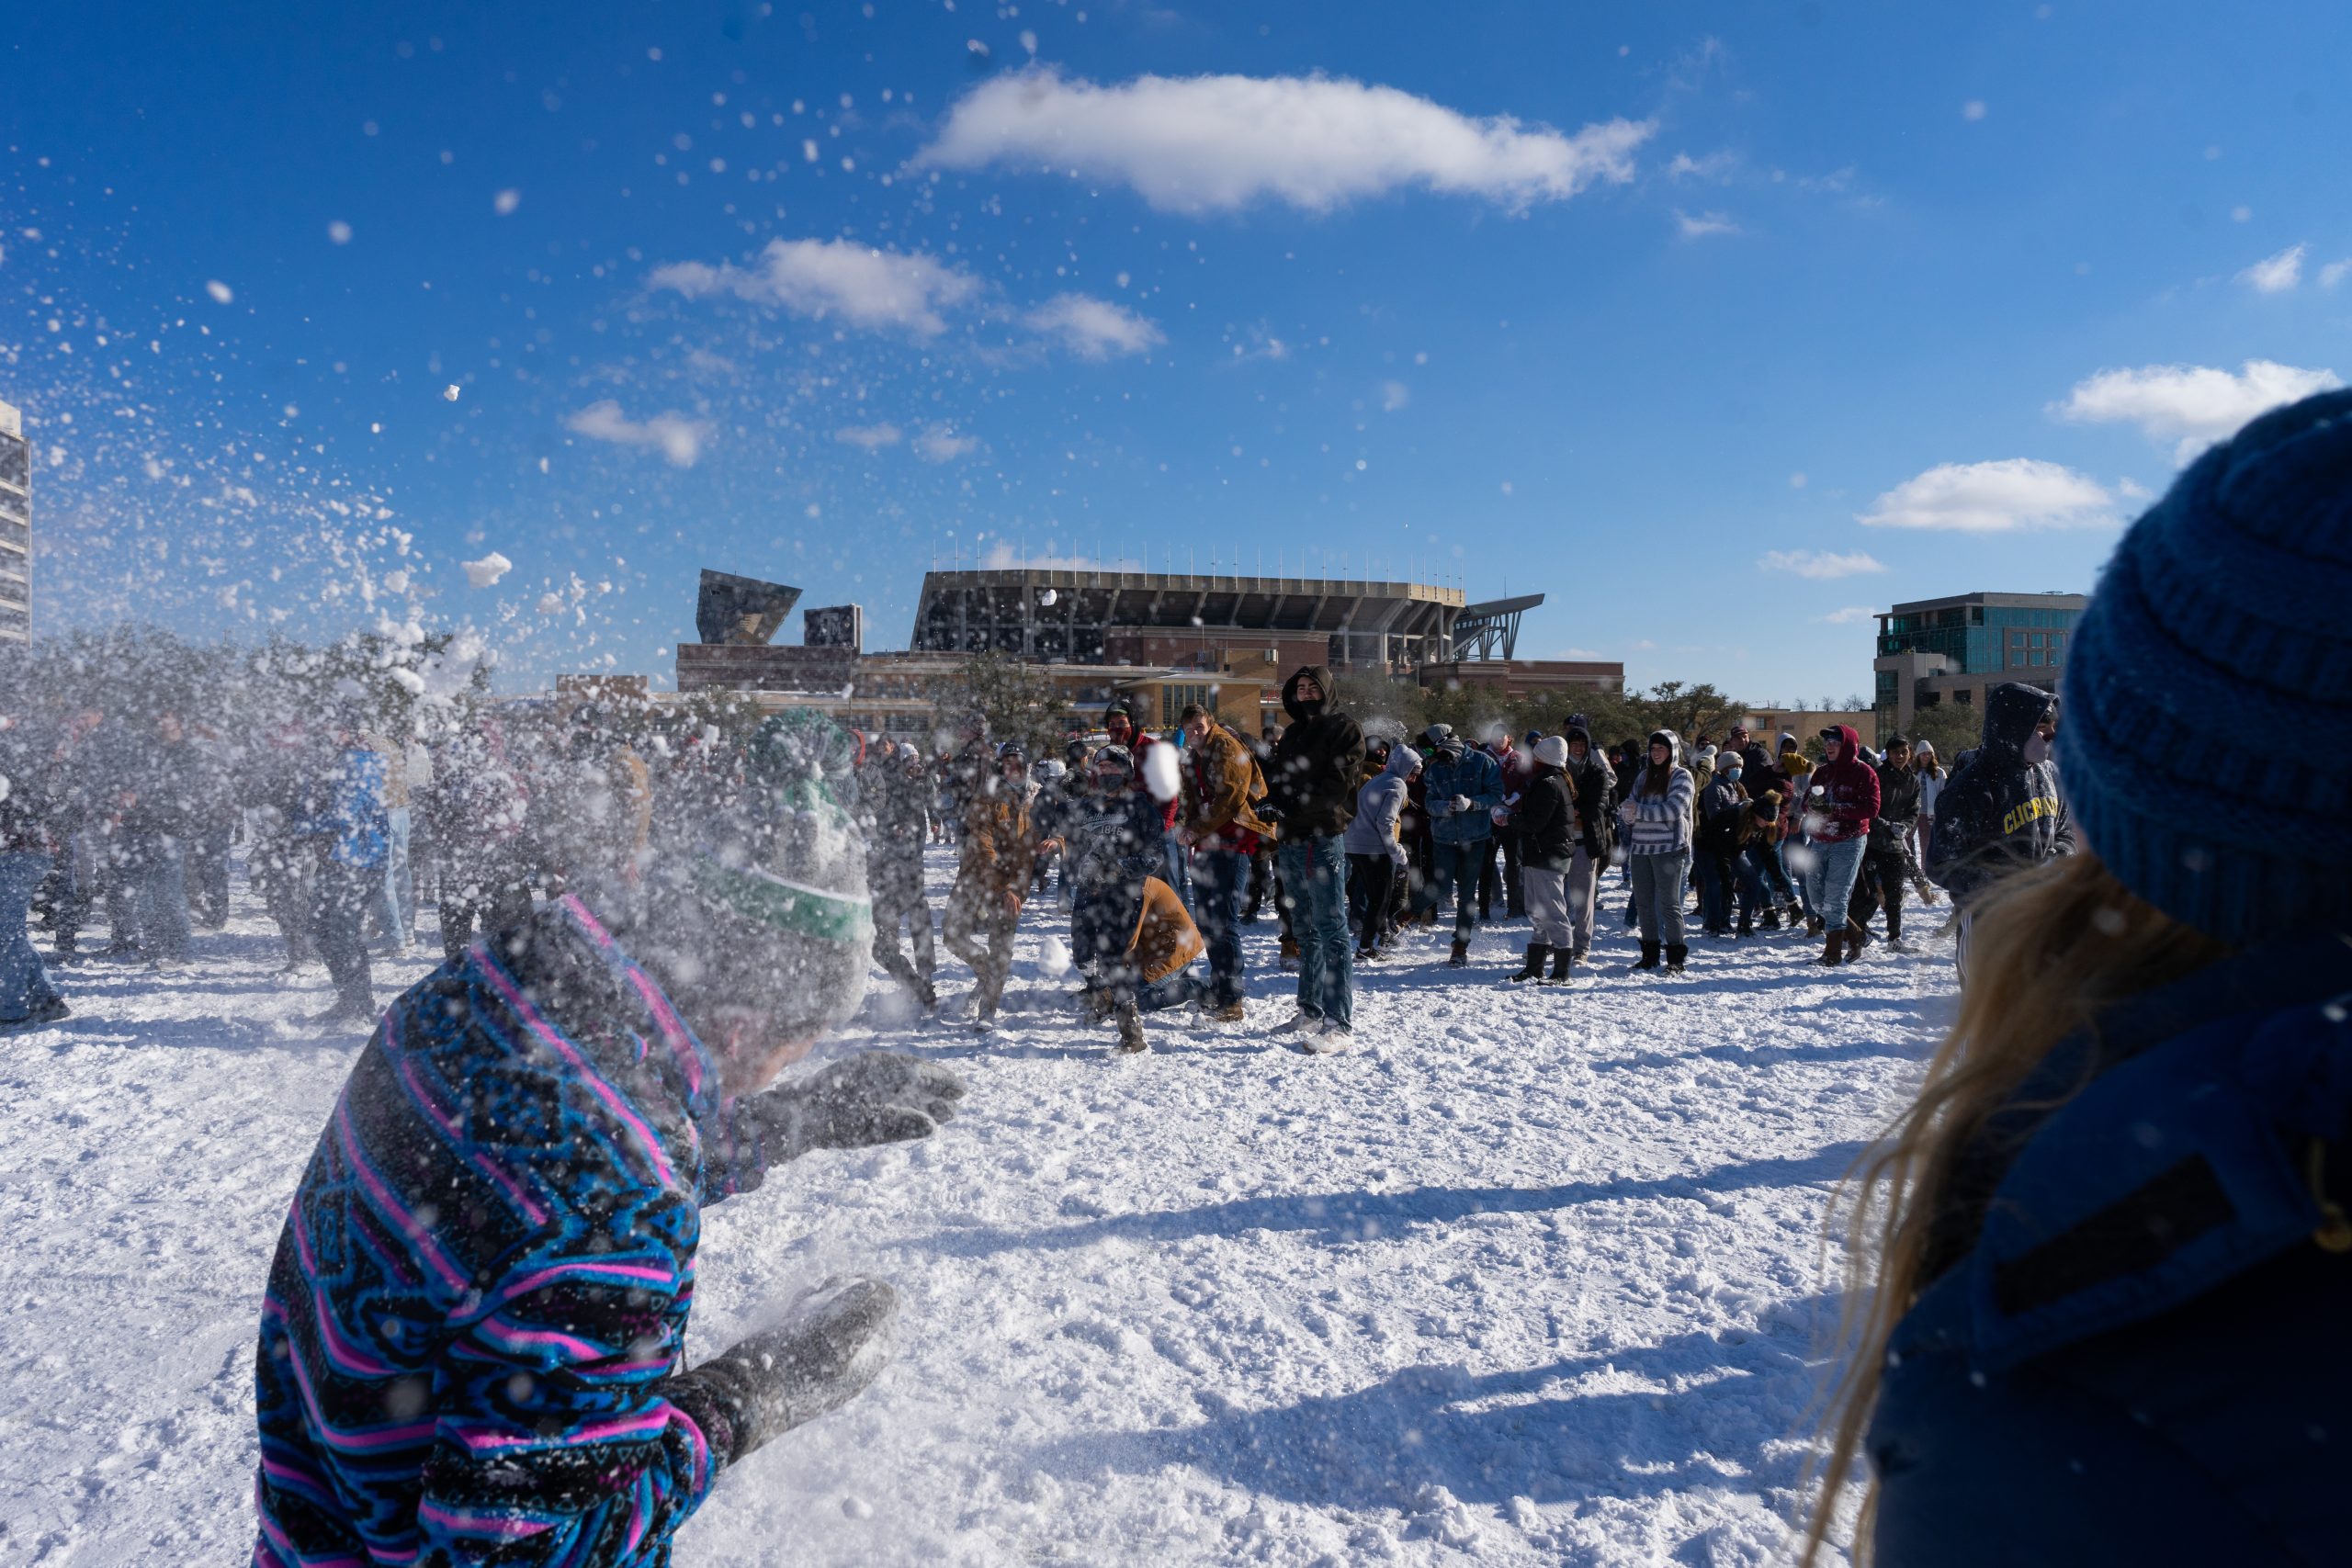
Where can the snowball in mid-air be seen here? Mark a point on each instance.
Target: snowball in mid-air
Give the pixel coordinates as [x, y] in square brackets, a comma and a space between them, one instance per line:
[489, 570]
[1048, 598]
[220, 291]
[507, 201]
[450, 391]
[1160, 774]
[1053, 957]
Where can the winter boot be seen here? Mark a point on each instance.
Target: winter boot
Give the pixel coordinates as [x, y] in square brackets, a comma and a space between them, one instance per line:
[1835, 953]
[1460, 957]
[1649, 956]
[1534, 968]
[1746, 925]
[1131, 1038]
[1562, 962]
[1675, 953]
[1290, 953]
[1813, 925]
[1771, 919]
[1857, 939]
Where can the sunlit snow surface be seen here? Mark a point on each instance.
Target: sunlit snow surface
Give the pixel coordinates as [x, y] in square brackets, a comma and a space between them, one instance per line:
[1528, 1277]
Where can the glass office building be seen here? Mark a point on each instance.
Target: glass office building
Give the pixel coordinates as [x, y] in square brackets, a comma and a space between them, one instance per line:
[1938, 650]
[15, 528]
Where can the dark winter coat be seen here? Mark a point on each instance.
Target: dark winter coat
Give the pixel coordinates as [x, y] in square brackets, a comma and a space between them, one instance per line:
[1547, 820]
[1999, 812]
[1759, 771]
[470, 1340]
[1593, 785]
[1317, 763]
[1849, 800]
[1898, 807]
[1114, 843]
[2132, 1349]
[897, 813]
[1719, 817]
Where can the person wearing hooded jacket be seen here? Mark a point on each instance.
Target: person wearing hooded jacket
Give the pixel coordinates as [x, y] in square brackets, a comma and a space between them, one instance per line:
[1464, 785]
[1549, 835]
[1840, 802]
[2001, 810]
[472, 1348]
[1377, 850]
[1312, 792]
[1657, 815]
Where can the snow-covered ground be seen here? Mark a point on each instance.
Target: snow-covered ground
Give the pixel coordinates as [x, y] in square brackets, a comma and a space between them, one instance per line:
[1528, 1276]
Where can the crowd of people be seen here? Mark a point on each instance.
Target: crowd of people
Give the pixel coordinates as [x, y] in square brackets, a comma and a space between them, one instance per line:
[1160, 849]
[1157, 850]
[2102, 1258]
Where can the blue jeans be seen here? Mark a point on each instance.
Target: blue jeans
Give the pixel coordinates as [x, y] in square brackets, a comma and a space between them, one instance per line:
[1315, 885]
[1830, 878]
[1217, 876]
[1456, 869]
[1770, 875]
[24, 981]
[394, 905]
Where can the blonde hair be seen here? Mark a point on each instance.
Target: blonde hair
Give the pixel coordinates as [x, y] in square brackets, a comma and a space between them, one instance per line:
[2050, 950]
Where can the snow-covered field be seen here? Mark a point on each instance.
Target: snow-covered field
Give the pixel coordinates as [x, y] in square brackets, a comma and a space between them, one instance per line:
[1528, 1276]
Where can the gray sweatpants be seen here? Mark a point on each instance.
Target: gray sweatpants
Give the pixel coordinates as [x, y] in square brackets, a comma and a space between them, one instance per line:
[1583, 895]
[1657, 894]
[1547, 907]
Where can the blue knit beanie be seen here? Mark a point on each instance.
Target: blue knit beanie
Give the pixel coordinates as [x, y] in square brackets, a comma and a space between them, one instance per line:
[2209, 687]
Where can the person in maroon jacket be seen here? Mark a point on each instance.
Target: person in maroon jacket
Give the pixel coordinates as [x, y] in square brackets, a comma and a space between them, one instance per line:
[1837, 810]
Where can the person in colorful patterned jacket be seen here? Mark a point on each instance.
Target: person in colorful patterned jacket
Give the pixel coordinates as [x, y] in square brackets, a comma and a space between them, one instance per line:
[471, 1346]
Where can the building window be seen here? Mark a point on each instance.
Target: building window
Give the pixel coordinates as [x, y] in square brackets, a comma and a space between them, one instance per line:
[2039, 656]
[1173, 700]
[1965, 697]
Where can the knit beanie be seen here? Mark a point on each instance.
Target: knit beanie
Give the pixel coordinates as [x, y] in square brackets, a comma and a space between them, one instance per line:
[2228, 604]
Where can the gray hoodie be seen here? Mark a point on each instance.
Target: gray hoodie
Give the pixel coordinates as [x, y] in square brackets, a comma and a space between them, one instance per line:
[1380, 803]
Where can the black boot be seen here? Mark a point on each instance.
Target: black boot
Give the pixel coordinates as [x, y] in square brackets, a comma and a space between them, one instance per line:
[1460, 957]
[1534, 968]
[1562, 962]
[1649, 956]
[1675, 953]
[1746, 925]
[1771, 919]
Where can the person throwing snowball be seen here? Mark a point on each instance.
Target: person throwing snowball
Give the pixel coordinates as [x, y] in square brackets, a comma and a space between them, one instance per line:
[472, 1343]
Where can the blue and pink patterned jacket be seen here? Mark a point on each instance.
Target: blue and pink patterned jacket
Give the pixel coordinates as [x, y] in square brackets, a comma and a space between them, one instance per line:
[471, 1343]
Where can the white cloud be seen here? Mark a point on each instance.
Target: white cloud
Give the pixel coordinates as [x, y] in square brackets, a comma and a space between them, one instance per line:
[863, 287]
[2193, 405]
[1822, 566]
[678, 438]
[1394, 396]
[1993, 498]
[940, 444]
[1852, 615]
[1215, 143]
[1714, 166]
[2276, 274]
[2335, 272]
[1700, 225]
[482, 573]
[1091, 328]
[870, 436]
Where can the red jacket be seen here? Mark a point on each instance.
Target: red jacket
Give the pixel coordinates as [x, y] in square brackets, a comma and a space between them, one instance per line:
[1849, 797]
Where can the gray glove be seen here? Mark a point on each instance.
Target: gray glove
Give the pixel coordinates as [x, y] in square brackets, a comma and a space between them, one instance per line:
[874, 1097]
[833, 1342]
[1461, 803]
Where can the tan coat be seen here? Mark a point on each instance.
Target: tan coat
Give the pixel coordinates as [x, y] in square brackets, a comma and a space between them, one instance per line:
[1222, 786]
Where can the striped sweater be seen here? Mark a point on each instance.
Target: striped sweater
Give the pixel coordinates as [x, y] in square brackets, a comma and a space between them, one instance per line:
[470, 1341]
[1661, 824]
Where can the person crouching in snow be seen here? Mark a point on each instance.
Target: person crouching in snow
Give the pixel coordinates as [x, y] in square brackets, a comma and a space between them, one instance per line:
[471, 1347]
[1130, 935]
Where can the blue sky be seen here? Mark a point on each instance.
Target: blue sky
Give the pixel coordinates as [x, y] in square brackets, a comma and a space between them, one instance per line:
[1717, 325]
